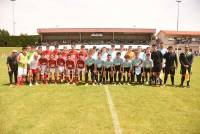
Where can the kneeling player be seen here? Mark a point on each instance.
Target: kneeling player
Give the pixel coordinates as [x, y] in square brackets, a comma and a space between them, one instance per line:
[117, 63]
[99, 69]
[89, 67]
[80, 67]
[52, 69]
[60, 68]
[147, 64]
[70, 67]
[43, 64]
[108, 70]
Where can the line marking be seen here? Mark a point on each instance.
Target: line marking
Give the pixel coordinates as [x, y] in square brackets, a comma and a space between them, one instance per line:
[113, 112]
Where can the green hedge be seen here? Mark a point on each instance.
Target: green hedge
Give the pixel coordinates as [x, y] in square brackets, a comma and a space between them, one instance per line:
[16, 41]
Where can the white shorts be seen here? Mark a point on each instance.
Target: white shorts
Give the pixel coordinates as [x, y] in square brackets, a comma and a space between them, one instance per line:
[80, 70]
[43, 69]
[52, 70]
[68, 71]
[61, 69]
[22, 71]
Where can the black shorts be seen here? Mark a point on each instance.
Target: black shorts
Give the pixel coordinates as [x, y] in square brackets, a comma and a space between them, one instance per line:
[117, 68]
[147, 70]
[90, 68]
[157, 68]
[99, 69]
[126, 69]
[108, 69]
[170, 70]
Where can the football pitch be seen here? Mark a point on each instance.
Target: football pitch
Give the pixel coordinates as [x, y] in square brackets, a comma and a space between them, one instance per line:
[106, 109]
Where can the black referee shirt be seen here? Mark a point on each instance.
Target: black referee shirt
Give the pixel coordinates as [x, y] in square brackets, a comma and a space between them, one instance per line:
[171, 58]
[157, 57]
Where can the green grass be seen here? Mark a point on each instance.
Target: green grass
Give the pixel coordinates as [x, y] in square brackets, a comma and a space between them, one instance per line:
[62, 109]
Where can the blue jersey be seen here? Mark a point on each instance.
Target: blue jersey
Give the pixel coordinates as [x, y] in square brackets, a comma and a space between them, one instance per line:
[118, 62]
[108, 64]
[99, 63]
[127, 64]
[89, 61]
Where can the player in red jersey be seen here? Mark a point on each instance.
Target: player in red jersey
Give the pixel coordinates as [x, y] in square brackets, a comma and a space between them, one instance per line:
[47, 52]
[64, 53]
[80, 67]
[43, 67]
[74, 53]
[83, 51]
[56, 51]
[70, 69]
[60, 67]
[52, 69]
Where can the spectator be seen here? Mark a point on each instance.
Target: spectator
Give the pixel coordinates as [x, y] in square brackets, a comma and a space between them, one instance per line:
[12, 67]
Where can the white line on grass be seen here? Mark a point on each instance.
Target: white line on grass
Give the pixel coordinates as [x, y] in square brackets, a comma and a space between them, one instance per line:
[113, 112]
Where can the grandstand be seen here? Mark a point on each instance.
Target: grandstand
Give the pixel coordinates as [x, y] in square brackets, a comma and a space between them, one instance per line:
[179, 39]
[97, 36]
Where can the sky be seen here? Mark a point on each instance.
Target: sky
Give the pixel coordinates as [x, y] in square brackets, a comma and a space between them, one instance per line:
[159, 14]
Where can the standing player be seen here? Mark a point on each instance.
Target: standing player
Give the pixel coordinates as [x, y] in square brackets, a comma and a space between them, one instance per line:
[89, 67]
[52, 69]
[56, 51]
[103, 53]
[43, 67]
[157, 58]
[73, 52]
[122, 51]
[70, 67]
[33, 70]
[126, 69]
[60, 68]
[163, 50]
[186, 60]
[83, 51]
[147, 65]
[108, 70]
[117, 66]
[171, 64]
[22, 60]
[112, 52]
[64, 52]
[99, 69]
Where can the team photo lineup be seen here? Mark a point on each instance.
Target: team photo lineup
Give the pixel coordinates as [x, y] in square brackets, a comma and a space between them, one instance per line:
[41, 65]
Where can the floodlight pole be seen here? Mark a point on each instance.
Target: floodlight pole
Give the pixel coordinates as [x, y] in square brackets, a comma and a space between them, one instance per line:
[177, 26]
[13, 15]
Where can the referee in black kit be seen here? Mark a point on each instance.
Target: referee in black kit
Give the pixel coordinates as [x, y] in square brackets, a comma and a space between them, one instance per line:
[157, 58]
[171, 64]
[12, 66]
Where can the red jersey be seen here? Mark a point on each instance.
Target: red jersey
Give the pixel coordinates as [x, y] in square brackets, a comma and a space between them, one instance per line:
[74, 54]
[80, 64]
[70, 64]
[64, 55]
[84, 52]
[43, 61]
[60, 62]
[52, 63]
[47, 52]
[55, 52]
